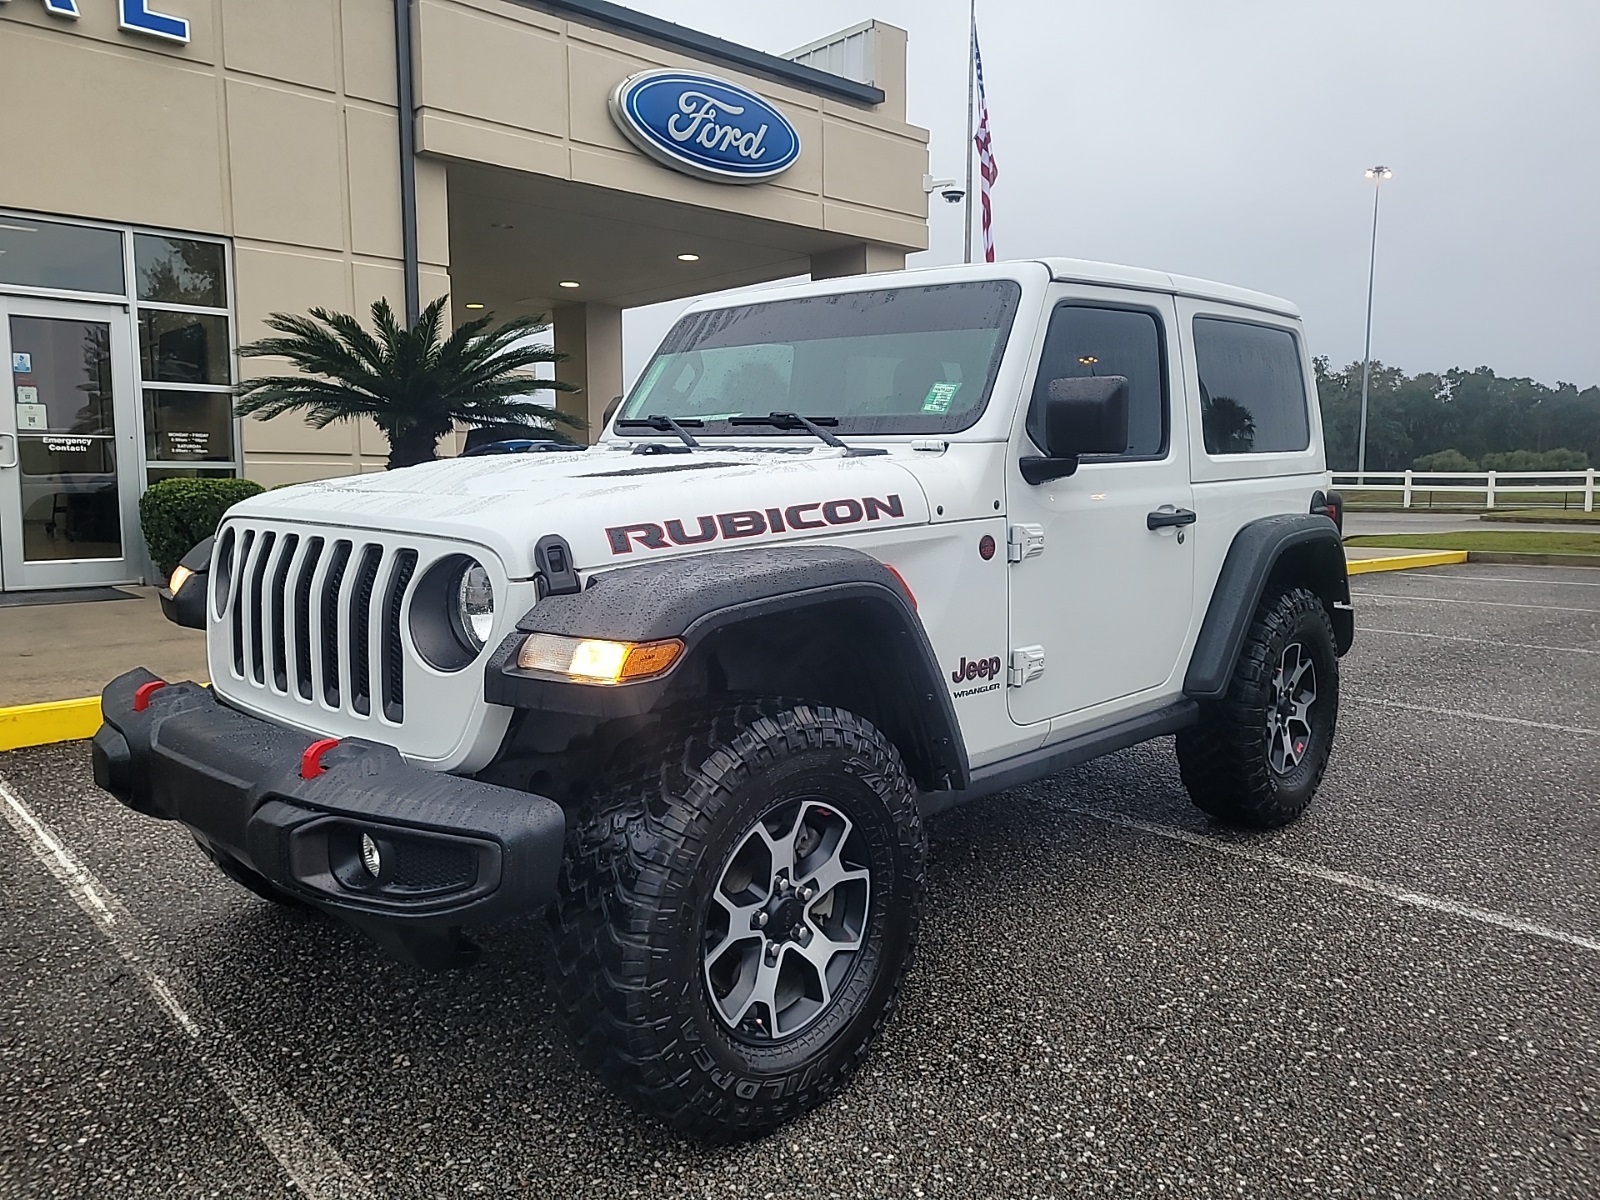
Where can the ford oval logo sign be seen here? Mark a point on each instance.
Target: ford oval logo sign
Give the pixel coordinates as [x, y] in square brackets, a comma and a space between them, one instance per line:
[705, 127]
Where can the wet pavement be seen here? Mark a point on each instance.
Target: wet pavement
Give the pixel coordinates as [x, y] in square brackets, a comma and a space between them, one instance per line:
[1399, 996]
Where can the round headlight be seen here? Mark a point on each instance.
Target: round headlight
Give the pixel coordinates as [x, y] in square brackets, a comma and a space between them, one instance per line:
[474, 606]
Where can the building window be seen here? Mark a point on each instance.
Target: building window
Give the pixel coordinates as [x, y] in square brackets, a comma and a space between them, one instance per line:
[1252, 388]
[185, 356]
[58, 257]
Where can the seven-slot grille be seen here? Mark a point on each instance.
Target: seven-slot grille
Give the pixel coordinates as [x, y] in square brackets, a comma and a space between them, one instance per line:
[315, 617]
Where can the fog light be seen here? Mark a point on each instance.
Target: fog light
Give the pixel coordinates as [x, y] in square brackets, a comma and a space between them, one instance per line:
[370, 858]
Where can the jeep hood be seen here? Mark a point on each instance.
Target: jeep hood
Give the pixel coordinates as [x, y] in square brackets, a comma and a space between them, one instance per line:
[614, 506]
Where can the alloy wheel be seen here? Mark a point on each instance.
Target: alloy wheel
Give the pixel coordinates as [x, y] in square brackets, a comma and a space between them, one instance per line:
[1294, 691]
[784, 924]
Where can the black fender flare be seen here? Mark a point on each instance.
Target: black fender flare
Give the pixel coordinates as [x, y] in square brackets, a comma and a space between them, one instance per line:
[696, 597]
[1302, 548]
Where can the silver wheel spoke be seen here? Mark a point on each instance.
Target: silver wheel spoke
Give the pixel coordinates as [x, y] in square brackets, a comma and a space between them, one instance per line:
[832, 873]
[764, 992]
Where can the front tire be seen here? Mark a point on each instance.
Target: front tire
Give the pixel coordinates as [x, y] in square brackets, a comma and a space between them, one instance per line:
[737, 914]
[1258, 755]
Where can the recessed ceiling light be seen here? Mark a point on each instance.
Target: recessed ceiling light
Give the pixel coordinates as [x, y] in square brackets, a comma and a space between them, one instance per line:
[474, 306]
[688, 258]
[569, 283]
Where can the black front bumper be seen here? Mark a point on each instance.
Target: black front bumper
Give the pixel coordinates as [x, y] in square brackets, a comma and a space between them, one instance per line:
[453, 851]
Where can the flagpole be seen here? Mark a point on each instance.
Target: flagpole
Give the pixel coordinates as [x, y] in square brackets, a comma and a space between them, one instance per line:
[972, 72]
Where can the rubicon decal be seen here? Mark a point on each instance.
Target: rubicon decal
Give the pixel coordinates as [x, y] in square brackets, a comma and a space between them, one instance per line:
[751, 522]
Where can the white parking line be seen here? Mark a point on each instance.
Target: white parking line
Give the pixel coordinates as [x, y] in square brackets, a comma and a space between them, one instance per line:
[1478, 603]
[306, 1157]
[1360, 883]
[1433, 711]
[1445, 637]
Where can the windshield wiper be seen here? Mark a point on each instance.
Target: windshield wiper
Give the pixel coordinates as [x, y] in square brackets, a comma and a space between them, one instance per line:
[664, 425]
[812, 425]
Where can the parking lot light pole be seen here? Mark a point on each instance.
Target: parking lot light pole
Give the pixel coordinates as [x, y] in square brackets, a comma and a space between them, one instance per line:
[1377, 175]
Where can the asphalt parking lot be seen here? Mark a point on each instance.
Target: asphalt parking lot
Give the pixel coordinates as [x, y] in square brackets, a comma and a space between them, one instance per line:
[1397, 997]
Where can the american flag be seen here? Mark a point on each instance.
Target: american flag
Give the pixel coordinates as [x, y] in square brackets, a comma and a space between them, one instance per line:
[985, 144]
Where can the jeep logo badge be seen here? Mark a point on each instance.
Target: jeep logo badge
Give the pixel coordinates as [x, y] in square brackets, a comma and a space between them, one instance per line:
[975, 668]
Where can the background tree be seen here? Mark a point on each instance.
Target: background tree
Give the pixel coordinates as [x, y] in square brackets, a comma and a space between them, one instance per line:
[1475, 413]
[415, 384]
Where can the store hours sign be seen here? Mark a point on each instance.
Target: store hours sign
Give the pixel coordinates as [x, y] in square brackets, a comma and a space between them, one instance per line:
[135, 16]
[705, 126]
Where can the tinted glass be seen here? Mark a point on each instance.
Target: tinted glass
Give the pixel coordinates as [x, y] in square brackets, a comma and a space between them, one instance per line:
[1252, 388]
[907, 360]
[188, 426]
[61, 383]
[1085, 341]
[179, 271]
[47, 254]
[177, 347]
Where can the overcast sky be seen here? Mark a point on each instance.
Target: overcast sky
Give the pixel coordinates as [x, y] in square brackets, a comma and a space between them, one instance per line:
[1227, 139]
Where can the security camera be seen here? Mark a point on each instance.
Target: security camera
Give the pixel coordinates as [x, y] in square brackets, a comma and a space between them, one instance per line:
[953, 194]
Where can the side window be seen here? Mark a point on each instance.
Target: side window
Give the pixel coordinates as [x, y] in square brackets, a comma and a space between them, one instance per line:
[1088, 340]
[1252, 388]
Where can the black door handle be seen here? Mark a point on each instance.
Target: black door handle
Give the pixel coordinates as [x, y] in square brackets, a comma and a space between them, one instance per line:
[1164, 520]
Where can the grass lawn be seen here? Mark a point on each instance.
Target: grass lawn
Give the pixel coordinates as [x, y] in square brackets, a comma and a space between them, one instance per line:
[1504, 541]
[1473, 501]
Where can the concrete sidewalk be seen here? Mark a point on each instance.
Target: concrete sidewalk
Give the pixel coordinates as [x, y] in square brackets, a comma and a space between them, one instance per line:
[67, 651]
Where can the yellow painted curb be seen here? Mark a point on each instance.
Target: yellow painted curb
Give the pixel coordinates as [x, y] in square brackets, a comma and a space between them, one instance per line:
[1405, 562]
[41, 724]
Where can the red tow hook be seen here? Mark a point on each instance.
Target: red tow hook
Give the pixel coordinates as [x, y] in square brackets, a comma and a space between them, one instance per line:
[142, 693]
[311, 761]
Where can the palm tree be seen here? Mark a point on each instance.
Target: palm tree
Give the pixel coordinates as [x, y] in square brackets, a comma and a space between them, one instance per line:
[412, 384]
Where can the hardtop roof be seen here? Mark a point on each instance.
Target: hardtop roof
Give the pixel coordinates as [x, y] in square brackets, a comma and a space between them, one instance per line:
[1061, 270]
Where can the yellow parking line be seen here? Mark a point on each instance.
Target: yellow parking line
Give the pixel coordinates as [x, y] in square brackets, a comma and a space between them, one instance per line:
[1406, 562]
[41, 724]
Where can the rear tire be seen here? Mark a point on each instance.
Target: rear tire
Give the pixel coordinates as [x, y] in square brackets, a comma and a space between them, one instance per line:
[737, 913]
[1258, 755]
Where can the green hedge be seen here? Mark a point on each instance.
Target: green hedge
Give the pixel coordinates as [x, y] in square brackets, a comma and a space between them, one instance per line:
[175, 514]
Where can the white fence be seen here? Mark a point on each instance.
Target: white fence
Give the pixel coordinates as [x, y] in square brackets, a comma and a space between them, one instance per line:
[1513, 489]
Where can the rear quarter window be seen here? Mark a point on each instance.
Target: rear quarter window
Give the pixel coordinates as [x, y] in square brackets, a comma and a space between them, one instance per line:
[1252, 388]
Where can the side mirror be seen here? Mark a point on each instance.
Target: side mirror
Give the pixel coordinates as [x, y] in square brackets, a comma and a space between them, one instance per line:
[185, 604]
[1076, 416]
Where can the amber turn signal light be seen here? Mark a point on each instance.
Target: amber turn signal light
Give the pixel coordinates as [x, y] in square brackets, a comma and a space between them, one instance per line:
[597, 660]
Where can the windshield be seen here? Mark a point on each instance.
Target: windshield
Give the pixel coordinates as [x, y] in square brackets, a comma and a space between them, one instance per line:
[903, 360]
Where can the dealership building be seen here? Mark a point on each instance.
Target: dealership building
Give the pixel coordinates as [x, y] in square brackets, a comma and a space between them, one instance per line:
[173, 171]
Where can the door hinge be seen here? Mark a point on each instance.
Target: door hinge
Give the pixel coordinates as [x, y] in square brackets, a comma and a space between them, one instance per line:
[1024, 541]
[1027, 664]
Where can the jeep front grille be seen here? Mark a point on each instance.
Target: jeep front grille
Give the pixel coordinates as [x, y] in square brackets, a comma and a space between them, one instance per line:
[315, 618]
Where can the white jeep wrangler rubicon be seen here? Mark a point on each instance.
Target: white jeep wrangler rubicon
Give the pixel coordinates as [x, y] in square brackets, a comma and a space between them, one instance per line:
[849, 553]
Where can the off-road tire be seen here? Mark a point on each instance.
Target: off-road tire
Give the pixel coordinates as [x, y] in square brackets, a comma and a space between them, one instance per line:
[630, 933]
[1225, 760]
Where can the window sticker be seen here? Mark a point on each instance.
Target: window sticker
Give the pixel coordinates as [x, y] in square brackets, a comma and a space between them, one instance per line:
[939, 397]
[22, 364]
[27, 395]
[32, 416]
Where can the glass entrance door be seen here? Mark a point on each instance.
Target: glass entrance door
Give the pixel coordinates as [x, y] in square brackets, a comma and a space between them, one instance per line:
[68, 445]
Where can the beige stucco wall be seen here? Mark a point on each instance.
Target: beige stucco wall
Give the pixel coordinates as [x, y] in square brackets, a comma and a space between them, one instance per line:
[501, 83]
[276, 127]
